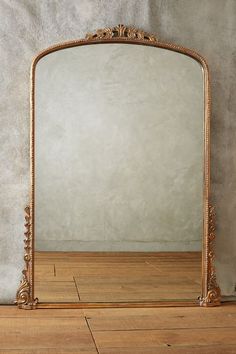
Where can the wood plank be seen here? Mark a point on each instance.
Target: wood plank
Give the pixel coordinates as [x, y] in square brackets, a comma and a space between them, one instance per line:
[13, 311]
[160, 318]
[37, 333]
[116, 297]
[48, 351]
[219, 349]
[154, 281]
[154, 338]
[225, 310]
[66, 272]
[127, 285]
[52, 291]
[44, 272]
[105, 270]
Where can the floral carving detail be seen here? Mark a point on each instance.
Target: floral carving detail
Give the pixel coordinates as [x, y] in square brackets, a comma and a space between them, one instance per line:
[213, 291]
[24, 293]
[121, 31]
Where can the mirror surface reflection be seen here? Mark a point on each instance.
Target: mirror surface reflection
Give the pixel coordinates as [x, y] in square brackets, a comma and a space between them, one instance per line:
[119, 167]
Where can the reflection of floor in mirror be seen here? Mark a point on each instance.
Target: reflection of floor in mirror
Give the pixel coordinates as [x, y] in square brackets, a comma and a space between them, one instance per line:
[117, 277]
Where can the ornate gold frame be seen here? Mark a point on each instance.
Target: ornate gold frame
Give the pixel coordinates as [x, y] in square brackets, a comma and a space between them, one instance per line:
[210, 290]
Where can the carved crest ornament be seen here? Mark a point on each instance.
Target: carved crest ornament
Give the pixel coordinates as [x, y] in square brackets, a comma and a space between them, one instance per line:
[211, 291]
[121, 31]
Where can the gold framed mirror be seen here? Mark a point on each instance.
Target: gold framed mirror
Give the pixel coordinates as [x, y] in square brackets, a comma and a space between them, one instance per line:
[120, 155]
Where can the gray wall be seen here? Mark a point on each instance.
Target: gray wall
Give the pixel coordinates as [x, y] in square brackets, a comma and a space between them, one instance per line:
[27, 26]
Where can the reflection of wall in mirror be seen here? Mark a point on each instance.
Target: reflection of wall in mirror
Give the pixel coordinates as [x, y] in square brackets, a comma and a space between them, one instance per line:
[119, 150]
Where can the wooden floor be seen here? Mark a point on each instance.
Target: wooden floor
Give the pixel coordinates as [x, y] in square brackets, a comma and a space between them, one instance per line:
[117, 277]
[191, 330]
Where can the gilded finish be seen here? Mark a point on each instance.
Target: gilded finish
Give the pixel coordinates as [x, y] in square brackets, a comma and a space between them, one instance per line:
[121, 31]
[121, 34]
[213, 291]
[24, 295]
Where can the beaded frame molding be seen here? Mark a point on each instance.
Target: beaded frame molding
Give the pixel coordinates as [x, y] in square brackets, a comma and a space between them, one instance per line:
[211, 295]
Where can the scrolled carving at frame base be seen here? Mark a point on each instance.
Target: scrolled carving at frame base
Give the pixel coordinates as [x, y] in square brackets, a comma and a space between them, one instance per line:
[24, 298]
[213, 297]
[121, 31]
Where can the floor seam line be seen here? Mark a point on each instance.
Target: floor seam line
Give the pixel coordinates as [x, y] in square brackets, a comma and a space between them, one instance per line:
[91, 334]
[77, 288]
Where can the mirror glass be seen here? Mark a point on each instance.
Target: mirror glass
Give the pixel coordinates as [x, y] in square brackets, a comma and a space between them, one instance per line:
[119, 143]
